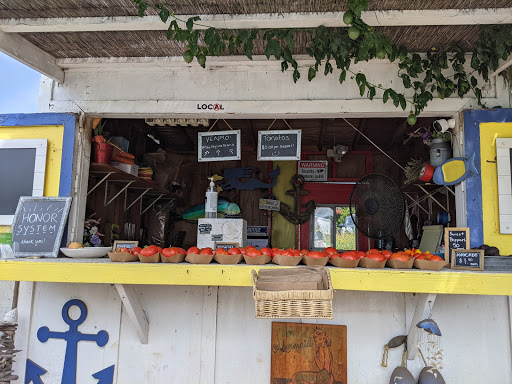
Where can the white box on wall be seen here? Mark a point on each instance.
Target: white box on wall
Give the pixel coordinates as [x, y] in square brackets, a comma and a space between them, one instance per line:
[210, 231]
[504, 163]
[132, 169]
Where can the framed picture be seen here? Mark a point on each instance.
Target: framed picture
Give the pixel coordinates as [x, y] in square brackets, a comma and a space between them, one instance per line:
[124, 244]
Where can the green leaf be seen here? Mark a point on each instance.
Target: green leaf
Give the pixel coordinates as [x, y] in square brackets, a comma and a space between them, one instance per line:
[296, 75]
[243, 35]
[287, 54]
[385, 96]
[142, 8]
[190, 23]
[328, 68]
[372, 93]
[361, 89]
[474, 82]
[311, 73]
[360, 78]
[268, 49]
[290, 41]
[406, 80]
[343, 76]
[284, 65]
[403, 102]
[164, 14]
[248, 49]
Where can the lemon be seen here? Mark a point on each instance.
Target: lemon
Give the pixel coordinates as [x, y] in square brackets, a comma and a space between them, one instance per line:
[188, 56]
[353, 32]
[411, 119]
[75, 245]
[348, 17]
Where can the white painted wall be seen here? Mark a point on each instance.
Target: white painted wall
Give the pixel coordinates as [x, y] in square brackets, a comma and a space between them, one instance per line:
[210, 335]
[160, 87]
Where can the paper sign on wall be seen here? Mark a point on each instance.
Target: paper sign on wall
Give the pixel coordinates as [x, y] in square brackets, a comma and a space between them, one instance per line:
[269, 204]
[313, 170]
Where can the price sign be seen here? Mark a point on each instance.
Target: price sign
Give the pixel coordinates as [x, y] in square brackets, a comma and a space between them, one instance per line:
[130, 244]
[455, 238]
[226, 246]
[472, 259]
[219, 146]
[279, 145]
[313, 170]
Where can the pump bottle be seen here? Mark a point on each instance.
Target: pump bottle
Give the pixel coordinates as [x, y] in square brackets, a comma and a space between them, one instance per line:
[210, 207]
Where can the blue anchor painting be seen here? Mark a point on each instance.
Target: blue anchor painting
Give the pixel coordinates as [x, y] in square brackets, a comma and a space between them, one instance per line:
[72, 338]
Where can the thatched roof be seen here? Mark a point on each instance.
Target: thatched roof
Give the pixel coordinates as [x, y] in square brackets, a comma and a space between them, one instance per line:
[84, 8]
[153, 43]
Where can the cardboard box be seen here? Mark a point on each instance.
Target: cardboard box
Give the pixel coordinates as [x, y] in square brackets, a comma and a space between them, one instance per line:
[132, 169]
[210, 231]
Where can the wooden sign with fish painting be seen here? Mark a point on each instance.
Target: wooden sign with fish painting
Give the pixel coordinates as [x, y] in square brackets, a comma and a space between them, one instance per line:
[308, 353]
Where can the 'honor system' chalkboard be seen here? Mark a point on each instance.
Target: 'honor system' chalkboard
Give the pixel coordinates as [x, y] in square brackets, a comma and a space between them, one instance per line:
[38, 225]
[279, 145]
[219, 146]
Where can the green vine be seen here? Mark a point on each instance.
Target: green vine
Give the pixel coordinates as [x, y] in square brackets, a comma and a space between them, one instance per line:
[340, 47]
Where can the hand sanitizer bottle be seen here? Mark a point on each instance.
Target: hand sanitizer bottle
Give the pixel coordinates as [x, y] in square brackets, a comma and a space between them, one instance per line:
[210, 207]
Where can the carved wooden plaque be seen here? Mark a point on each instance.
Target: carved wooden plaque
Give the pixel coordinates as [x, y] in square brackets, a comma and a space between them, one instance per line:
[308, 353]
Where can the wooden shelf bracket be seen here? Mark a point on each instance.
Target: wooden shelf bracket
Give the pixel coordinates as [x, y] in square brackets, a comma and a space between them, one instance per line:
[150, 205]
[134, 311]
[423, 311]
[134, 201]
[118, 193]
[99, 183]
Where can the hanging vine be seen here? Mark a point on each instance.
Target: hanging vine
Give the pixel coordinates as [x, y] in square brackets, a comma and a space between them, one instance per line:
[438, 72]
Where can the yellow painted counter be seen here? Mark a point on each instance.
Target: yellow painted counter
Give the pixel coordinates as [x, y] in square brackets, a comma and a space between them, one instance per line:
[66, 270]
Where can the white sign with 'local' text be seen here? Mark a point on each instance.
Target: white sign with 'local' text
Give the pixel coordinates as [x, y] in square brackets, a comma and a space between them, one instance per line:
[313, 170]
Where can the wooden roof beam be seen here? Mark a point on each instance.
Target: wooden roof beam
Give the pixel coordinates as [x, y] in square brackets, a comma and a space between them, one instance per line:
[22, 50]
[258, 21]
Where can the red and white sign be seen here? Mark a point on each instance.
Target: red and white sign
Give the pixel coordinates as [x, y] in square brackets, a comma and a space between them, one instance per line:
[314, 170]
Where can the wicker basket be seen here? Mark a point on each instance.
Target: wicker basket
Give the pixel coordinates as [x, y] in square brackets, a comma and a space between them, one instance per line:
[311, 304]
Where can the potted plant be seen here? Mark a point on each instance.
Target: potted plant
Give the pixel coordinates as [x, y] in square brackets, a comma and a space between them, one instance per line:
[102, 151]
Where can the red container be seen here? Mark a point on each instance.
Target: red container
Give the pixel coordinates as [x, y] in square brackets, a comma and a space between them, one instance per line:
[427, 172]
[102, 153]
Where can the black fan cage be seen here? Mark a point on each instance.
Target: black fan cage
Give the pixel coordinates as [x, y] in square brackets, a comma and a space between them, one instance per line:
[377, 206]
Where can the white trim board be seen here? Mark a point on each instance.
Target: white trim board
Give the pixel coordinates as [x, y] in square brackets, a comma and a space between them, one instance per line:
[503, 157]
[262, 20]
[40, 145]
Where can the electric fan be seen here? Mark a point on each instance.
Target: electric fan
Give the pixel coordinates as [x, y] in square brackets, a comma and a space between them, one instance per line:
[377, 206]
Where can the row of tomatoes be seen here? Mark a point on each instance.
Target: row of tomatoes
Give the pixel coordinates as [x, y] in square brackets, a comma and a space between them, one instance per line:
[373, 254]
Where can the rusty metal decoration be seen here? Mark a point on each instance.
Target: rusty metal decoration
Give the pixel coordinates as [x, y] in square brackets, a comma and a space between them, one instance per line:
[295, 216]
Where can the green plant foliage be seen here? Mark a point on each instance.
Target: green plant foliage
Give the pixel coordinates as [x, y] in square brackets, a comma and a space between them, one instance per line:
[438, 73]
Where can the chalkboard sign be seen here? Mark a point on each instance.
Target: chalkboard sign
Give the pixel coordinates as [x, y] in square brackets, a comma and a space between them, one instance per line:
[38, 225]
[219, 146]
[468, 259]
[455, 238]
[279, 145]
[124, 244]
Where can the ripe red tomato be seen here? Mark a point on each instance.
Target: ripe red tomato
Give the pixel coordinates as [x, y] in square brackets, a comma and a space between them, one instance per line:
[168, 252]
[250, 246]
[375, 256]
[436, 258]
[159, 249]
[149, 251]
[206, 251]
[303, 251]
[243, 250]
[182, 251]
[136, 250]
[221, 251]
[266, 251]
[360, 254]
[400, 257]
[193, 250]
[421, 257]
[375, 251]
[387, 254]
[349, 255]
[316, 255]
[330, 250]
[253, 252]
[123, 249]
[295, 252]
[234, 251]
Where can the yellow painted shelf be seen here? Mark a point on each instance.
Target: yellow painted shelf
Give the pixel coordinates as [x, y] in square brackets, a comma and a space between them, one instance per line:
[64, 270]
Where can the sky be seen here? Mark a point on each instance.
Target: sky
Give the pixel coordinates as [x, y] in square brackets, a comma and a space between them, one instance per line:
[19, 86]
